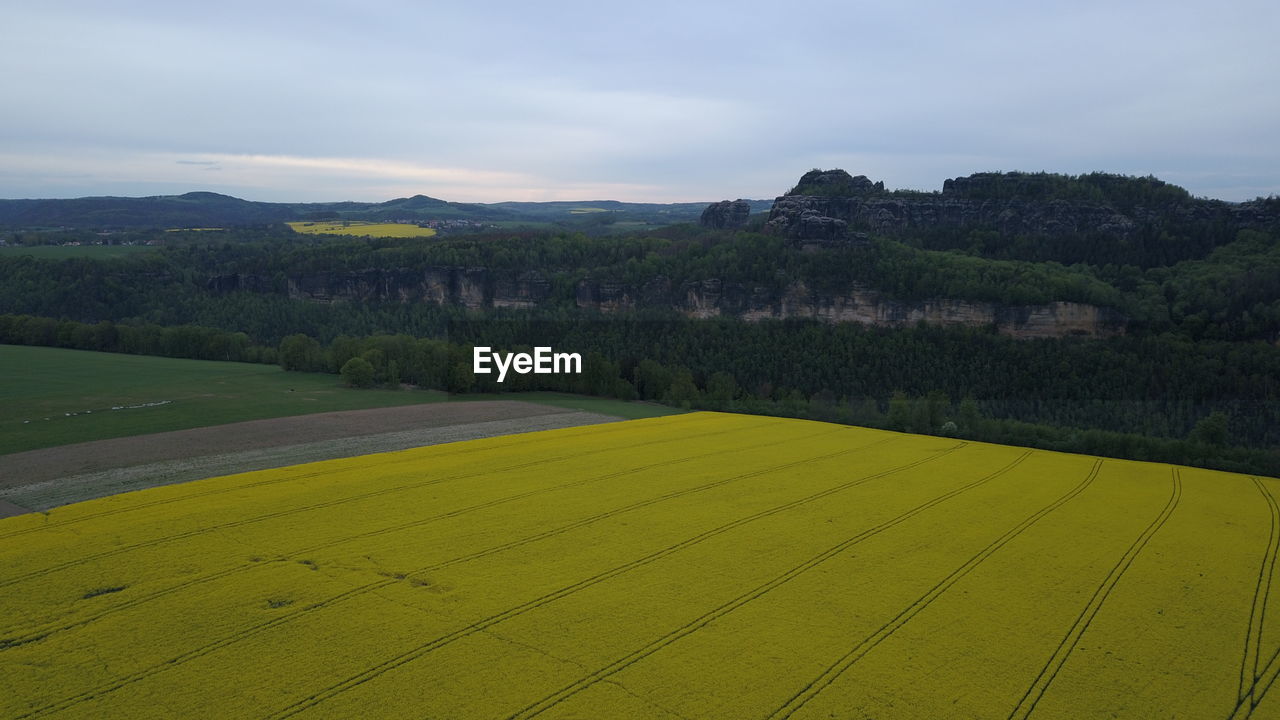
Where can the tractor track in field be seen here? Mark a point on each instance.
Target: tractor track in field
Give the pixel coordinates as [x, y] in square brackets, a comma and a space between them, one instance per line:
[411, 655]
[1266, 679]
[244, 633]
[521, 439]
[329, 503]
[1049, 672]
[1248, 697]
[7, 639]
[1261, 593]
[604, 673]
[837, 668]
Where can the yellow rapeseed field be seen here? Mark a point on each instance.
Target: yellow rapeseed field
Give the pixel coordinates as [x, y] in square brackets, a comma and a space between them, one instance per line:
[692, 566]
[360, 228]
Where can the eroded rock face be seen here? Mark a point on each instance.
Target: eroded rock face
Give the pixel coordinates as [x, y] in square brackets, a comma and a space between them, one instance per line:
[471, 287]
[478, 288]
[812, 222]
[1010, 203]
[524, 290]
[836, 182]
[817, 213]
[712, 298]
[726, 214]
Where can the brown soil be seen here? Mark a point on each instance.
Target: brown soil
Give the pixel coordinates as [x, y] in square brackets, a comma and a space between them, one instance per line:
[33, 466]
[41, 479]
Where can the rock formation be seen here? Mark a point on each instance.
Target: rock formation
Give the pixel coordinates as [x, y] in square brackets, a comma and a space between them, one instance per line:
[726, 215]
[713, 298]
[478, 288]
[825, 204]
[813, 214]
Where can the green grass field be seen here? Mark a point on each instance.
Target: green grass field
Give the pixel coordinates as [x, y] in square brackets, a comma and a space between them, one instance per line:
[59, 252]
[52, 396]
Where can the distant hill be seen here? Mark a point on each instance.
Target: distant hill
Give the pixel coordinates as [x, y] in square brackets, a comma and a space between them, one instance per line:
[1098, 218]
[673, 212]
[207, 209]
[194, 209]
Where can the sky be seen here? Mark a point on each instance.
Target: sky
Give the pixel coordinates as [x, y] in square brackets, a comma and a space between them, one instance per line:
[644, 102]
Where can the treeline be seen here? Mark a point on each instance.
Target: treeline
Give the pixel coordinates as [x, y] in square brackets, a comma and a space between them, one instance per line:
[1148, 245]
[889, 380]
[1155, 382]
[1123, 192]
[1232, 293]
[685, 255]
[184, 341]
[1157, 386]
[1169, 226]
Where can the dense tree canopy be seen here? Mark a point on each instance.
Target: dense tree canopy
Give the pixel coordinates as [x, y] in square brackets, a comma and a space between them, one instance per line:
[1197, 379]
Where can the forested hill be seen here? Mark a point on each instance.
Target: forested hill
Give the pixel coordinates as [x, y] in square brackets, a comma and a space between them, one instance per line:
[951, 312]
[1097, 218]
[206, 209]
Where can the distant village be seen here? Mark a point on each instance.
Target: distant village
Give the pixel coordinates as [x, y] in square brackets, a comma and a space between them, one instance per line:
[445, 225]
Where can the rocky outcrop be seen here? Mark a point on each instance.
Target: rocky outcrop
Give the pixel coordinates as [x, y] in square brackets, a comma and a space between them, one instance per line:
[523, 291]
[825, 204]
[712, 298]
[812, 223]
[812, 215]
[726, 215]
[480, 288]
[470, 287]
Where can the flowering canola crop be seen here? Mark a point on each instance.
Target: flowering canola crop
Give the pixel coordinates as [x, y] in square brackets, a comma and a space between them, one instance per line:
[698, 566]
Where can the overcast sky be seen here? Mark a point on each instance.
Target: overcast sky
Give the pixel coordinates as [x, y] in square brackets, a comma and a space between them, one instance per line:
[652, 101]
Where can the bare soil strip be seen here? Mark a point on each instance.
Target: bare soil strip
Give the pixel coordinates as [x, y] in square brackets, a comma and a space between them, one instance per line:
[41, 479]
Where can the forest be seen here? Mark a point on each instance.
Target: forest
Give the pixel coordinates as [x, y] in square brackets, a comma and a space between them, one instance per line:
[1194, 378]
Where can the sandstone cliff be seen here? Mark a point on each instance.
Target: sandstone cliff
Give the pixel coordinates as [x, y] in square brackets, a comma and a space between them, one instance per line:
[470, 287]
[478, 288]
[726, 214]
[712, 298]
[829, 205]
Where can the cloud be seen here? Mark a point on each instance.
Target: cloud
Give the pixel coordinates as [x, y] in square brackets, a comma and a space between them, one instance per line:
[286, 178]
[688, 101]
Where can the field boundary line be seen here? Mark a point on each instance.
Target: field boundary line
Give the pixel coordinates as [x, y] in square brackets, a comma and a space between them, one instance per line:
[841, 665]
[10, 640]
[602, 674]
[235, 637]
[1249, 697]
[326, 504]
[1049, 672]
[520, 439]
[523, 439]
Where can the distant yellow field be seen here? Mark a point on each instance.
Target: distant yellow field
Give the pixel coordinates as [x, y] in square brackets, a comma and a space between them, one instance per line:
[356, 227]
[691, 566]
